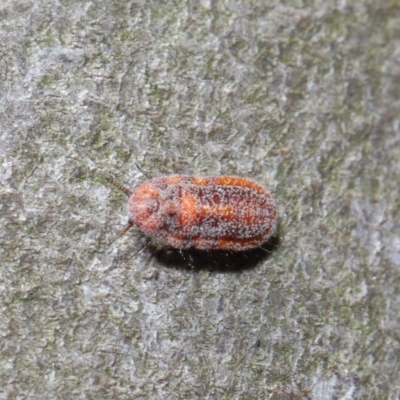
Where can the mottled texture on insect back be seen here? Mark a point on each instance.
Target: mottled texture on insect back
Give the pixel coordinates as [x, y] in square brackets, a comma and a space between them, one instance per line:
[228, 213]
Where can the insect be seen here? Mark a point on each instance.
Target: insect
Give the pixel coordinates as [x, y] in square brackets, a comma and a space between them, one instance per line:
[224, 212]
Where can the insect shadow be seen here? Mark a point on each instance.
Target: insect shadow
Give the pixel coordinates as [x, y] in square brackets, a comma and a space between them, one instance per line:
[224, 261]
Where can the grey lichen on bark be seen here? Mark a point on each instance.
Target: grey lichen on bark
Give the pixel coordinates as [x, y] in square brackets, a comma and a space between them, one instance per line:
[302, 97]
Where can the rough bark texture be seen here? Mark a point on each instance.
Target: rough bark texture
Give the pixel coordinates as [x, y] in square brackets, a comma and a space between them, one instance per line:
[302, 96]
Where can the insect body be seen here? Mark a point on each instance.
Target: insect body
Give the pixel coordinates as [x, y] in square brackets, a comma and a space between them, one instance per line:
[226, 213]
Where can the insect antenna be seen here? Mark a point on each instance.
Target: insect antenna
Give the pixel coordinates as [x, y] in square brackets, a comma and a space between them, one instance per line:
[119, 187]
[122, 233]
[144, 173]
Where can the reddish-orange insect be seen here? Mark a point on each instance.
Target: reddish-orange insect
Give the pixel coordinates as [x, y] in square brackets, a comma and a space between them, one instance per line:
[225, 213]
